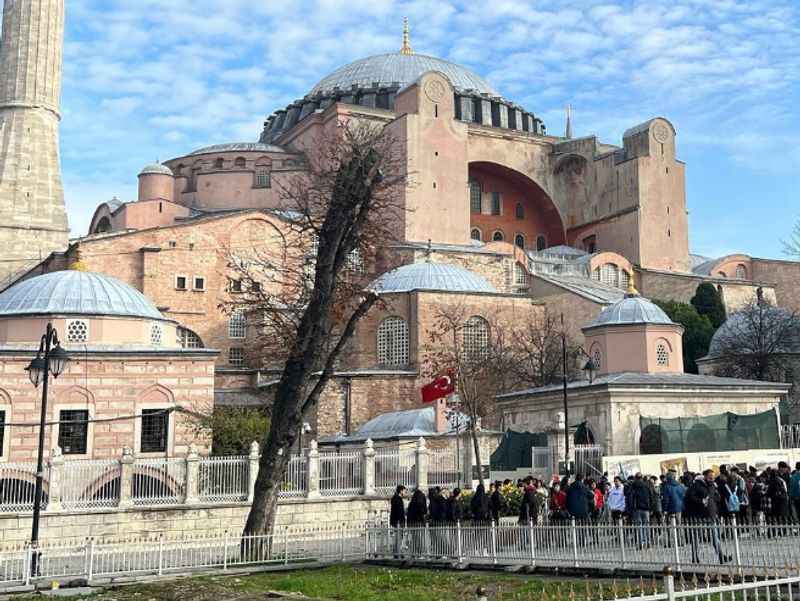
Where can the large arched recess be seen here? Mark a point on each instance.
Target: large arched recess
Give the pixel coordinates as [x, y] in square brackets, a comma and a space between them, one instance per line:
[539, 215]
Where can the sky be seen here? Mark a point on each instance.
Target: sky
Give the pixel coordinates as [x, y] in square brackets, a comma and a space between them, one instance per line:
[155, 79]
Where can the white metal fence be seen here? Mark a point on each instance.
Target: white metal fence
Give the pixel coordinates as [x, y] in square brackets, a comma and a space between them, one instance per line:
[95, 560]
[596, 545]
[443, 469]
[159, 481]
[295, 479]
[17, 486]
[393, 468]
[87, 484]
[341, 474]
[790, 437]
[224, 479]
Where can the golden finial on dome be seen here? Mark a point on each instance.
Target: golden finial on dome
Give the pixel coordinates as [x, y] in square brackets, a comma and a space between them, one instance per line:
[78, 264]
[406, 49]
[631, 291]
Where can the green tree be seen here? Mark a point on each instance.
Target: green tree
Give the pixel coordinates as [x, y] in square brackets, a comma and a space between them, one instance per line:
[708, 302]
[697, 331]
[233, 429]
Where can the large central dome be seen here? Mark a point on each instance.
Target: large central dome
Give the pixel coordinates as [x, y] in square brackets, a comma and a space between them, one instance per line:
[402, 69]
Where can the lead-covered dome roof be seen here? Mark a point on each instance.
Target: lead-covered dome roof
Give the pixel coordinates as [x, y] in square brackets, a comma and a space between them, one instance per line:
[402, 69]
[431, 276]
[155, 169]
[780, 332]
[76, 293]
[238, 147]
[633, 309]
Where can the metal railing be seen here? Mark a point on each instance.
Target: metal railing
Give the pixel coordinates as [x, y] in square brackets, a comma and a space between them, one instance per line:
[443, 469]
[224, 479]
[790, 437]
[160, 481]
[96, 560]
[87, 484]
[341, 474]
[295, 480]
[393, 468]
[687, 546]
[17, 486]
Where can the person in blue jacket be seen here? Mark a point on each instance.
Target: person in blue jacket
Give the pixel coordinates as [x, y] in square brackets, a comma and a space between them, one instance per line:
[672, 493]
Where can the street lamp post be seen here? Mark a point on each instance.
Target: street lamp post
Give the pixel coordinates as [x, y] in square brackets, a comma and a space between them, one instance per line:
[50, 359]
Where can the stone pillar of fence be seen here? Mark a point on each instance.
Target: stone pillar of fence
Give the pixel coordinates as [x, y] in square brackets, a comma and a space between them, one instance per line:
[126, 478]
[312, 471]
[192, 476]
[56, 467]
[255, 454]
[422, 465]
[369, 468]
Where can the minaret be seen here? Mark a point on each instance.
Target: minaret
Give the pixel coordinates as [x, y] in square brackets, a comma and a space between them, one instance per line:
[568, 128]
[406, 47]
[33, 219]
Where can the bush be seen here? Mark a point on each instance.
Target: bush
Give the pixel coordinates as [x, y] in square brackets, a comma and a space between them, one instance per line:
[510, 493]
[233, 429]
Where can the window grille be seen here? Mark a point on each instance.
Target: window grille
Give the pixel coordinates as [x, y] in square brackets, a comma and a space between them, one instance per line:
[541, 243]
[597, 358]
[155, 427]
[520, 275]
[188, 339]
[498, 236]
[236, 356]
[156, 334]
[624, 279]
[596, 274]
[519, 211]
[608, 274]
[475, 234]
[496, 203]
[237, 325]
[475, 338]
[72, 437]
[77, 330]
[355, 261]
[393, 342]
[2, 431]
[475, 196]
[519, 240]
[662, 355]
[741, 272]
[263, 178]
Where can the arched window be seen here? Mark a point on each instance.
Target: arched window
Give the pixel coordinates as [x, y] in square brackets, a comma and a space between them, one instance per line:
[475, 338]
[104, 225]
[474, 196]
[597, 358]
[219, 163]
[520, 275]
[624, 279]
[237, 325]
[263, 169]
[475, 234]
[596, 274]
[393, 342]
[496, 204]
[240, 163]
[498, 236]
[519, 240]
[541, 242]
[662, 354]
[609, 274]
[519, 211]
[741, 272]
[652, 441]
[721, 274]
[188, 339]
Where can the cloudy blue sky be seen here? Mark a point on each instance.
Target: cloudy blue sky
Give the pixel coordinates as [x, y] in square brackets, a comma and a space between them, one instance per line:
[148, 79]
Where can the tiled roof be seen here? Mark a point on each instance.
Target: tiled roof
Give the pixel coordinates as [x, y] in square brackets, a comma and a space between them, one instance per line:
[593, 290]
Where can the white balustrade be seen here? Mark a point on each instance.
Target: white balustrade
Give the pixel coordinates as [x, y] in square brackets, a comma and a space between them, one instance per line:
[160, 481]
[443, 469]
[224, 479]
[341, 474]
[87, 484]
[393, 467]
[17, 486]
[294, 480]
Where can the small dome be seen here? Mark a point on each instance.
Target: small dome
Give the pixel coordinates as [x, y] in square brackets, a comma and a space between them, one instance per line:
[400, 69]
[238, 147]
[631, 310]
[156, 169]
[431, 276]
[738, 328]
[76, 293]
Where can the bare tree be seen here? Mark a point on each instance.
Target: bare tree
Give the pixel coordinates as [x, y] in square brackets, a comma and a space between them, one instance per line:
[477, 353]
[791, 247]
[302, 289]
[536, 347]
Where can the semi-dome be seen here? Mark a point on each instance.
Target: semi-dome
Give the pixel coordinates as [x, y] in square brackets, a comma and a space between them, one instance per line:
[76, 293]
[738, 329]
[398, 68]
[431, 276]
[238, 147]
[632, 309]
[156, 169]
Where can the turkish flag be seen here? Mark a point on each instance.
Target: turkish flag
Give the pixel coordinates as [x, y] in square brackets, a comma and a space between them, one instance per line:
[440, 387]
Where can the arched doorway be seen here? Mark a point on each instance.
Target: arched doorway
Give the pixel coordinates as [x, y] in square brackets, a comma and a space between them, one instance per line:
[700, 438]
[653, 440]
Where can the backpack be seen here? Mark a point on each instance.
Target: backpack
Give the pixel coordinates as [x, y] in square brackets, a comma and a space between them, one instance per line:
[732, 503]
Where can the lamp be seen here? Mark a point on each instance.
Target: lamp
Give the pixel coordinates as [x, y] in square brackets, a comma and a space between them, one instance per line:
[36, 370]
[590, 368]
[58, 360]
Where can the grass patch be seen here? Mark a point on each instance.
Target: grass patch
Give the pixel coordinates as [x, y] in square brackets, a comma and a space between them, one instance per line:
[350, 583]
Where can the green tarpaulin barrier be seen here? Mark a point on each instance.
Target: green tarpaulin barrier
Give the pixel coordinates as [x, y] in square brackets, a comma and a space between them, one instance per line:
[515, 450]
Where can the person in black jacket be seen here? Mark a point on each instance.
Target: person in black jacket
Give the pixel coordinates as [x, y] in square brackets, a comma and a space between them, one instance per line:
[701, 507]
[479, 505]
[455, 514]
[437, 510]
[417, 514]
[528, 507]
[640, 498]
[496, 502]
[397, 517]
